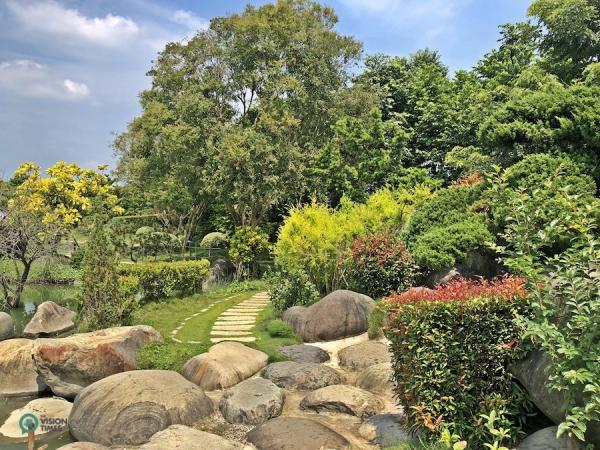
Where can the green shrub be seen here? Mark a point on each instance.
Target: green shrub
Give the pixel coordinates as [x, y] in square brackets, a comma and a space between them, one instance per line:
[376, 321]
[158, 280]
[247, 244]
[279, 328]
[380, 264]
[289, 288]
[451, 350]
[214, 240]
[76, 258]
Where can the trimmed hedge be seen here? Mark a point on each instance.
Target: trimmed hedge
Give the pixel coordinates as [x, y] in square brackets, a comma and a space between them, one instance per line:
[158, 280]
[451, 350]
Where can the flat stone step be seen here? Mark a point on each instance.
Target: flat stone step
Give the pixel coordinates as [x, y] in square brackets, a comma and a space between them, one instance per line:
[234, 322]
[236, 318]
[233, 327]
[229, 333]
[237, 313]
[239, 339]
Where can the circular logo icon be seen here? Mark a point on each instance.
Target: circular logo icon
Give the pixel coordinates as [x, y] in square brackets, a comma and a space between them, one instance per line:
[28, 423]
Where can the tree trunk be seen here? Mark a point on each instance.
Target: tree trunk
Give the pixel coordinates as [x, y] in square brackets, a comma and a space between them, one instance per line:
[15, 301]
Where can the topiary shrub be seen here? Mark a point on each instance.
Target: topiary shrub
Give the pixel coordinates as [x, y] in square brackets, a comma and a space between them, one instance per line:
[158, 280]
[451, 350]
[291, 287]
[380, 264]
[247, 244]
[279, 328]
[215, 239]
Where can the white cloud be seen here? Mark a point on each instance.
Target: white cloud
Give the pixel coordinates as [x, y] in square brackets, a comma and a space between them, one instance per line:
[408, 8]
[50, 17]
[28, 78]
[190, 20]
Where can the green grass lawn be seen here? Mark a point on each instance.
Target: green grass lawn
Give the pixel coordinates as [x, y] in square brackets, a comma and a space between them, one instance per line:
[167, 315]
[265, 342]
[46, 270]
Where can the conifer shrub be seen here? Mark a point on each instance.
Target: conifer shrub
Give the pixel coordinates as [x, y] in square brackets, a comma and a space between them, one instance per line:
[451, 350]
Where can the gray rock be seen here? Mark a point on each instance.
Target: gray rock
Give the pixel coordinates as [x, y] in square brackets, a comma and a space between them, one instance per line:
[54, 407]
[19, 377]
[303, 353]
[546, 440]
[338, 315]
[180, 437]
[130, 407]
[7, 326]
[363, 355]
[343, 399]
[224, 365]
[532, 373]
[294, 433]
[376, 379]
[301, 376]
[50, 319]
[83, 446]
[252, 402]
[69, 364]
[386, 430]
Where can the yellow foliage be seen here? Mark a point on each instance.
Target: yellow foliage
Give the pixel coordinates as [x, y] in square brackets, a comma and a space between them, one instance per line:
[65, 195]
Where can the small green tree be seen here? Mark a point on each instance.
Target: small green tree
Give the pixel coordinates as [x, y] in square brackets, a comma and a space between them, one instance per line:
[247, 244]
[105, 300]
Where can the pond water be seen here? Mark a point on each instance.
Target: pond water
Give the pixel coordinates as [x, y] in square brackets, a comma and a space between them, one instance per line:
[33, 295]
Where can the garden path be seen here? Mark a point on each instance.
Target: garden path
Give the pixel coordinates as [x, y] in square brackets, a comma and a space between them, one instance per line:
[237, 322]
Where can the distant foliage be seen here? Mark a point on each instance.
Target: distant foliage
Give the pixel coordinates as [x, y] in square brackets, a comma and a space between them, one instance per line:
[215, 240]
[158, 280]
[380, 264]
[291, 287]
[247, 245]
[451, 350]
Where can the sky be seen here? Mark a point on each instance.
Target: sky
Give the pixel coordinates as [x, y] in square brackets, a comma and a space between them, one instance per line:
[71, 70]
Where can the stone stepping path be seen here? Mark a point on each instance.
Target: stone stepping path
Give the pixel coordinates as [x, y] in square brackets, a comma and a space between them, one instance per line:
[173, 334]
[237, 322]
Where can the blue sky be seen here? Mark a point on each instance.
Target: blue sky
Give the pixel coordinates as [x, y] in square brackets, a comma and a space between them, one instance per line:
[71, 70]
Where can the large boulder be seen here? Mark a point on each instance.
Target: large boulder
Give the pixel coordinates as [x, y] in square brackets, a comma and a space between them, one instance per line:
[83, 446]
[301, 376]
[294, 433]
[57, 409]
[303, 353]
[546, 439]
[363, 355]
[224, 365]
[376, 379]
[338, 315]
[130, 407]
[180, 437]
[343, 399]
[50, 319]
[7, 326]
[252, 402]
[69, 364]
[19, 377]
[532, 373]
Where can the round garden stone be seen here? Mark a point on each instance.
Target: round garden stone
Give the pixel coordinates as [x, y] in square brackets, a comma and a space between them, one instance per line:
[7, 326]
[301, 376]
[54, 408]
[294, 433]
[252, 402]
[387, 430]
[180, 437]
[546, 439]
[18, 375]
[363, 355]
[50, 319]
[376, 379]
[343, 399]
[130, 407]
[83, 446]
[303, 353]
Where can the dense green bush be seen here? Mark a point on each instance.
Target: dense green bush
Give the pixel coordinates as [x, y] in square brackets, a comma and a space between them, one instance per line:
[446, 229]
[289, 288]
[279, 328]
[451, 349]
[158, 280]
[380, 264]
[76, 258]
[215, 240]
[247, 245]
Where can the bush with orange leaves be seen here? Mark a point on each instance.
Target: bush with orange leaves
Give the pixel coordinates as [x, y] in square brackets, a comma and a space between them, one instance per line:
[451, 350]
